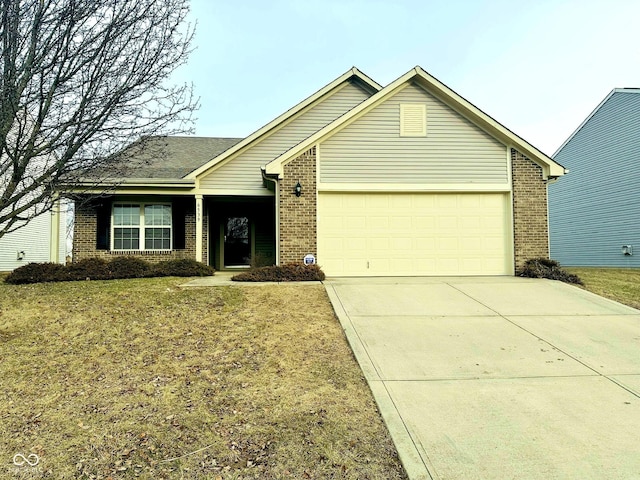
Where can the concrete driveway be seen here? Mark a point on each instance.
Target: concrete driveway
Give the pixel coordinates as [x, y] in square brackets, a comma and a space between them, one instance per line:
[498, 378]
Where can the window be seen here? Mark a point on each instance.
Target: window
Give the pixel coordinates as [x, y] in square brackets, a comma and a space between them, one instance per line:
[141, 226]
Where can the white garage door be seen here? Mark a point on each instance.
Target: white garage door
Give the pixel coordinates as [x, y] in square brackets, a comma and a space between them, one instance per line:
[369, 234]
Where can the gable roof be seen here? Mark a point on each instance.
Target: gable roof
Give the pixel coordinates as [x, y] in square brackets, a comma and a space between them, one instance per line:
[350, 75]
[445, 94]
[595, 110]
[160, 159]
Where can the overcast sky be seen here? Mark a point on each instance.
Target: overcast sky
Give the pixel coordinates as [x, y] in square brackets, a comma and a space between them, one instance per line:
[538, 67]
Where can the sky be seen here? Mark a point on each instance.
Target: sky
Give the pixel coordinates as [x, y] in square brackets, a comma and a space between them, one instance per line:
[538, 67]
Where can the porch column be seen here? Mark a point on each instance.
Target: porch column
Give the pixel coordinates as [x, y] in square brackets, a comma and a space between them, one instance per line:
[54, 242]
[199, 228]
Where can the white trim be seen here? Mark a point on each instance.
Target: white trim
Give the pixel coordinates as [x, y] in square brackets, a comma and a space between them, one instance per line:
[199, 217]
[277, 201]
[409, 112]
[445, 94]
[135, 182]
[141, 226]
[54, 243]
[263, 192]
[510, 237]
[415, 187]
[317, 195]
[284, 118]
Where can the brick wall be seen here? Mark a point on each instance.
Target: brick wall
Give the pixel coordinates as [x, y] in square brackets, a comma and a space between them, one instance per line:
[84, 238]
[530, 222]
[298, 229]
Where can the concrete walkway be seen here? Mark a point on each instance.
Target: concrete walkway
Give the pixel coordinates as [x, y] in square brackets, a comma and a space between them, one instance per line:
[223, 279]
[498, 378]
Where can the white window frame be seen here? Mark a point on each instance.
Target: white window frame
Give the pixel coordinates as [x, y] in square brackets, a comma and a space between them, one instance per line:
[141, 226]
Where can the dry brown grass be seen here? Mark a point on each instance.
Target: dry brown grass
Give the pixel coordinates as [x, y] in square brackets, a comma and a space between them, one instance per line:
[619, 284]
[141, 379]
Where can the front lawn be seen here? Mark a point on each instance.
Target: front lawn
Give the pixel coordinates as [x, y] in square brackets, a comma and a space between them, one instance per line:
[619, 284]
[141, 379]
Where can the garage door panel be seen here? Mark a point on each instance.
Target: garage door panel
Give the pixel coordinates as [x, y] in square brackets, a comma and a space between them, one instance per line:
[355, 245]
[414, 234]
[378, 244]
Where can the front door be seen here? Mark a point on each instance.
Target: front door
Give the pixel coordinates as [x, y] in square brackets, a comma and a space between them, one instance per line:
[237, 244]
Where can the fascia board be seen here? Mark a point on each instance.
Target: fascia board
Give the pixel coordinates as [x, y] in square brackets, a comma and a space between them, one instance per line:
[275, 166]
[451, 98]
[111, 183]
[473, 113]
[283, 118]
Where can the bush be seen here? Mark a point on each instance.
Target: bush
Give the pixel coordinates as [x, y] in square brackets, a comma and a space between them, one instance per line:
[88, 269]
[99, 269]
[130, 267]
[291, 272]
[545, 268]
[36, 273]
[182, 268]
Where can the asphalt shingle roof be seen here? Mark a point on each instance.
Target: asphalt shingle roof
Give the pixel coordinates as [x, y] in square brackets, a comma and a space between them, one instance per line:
[170, 157]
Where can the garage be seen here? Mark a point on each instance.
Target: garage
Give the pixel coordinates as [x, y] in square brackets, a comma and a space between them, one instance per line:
[408, 234]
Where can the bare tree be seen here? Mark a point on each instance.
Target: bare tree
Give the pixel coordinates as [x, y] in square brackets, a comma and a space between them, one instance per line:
[80, 79]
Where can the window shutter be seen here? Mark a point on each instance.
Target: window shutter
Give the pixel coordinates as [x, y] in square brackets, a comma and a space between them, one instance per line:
[178, 218]
[413, 120]
[103, 225]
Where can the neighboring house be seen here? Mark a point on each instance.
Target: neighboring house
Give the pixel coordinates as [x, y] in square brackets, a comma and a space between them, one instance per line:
[594, 215]
[409, 179]
[43, 239]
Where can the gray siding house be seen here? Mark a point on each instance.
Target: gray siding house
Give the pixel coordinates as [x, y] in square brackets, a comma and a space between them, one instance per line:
[593, 214]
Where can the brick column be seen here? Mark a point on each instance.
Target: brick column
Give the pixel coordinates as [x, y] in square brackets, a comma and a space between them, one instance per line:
[298, 229]
[530, 222]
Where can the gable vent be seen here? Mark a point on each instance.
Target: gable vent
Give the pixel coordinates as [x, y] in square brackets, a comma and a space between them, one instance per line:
[413, 120]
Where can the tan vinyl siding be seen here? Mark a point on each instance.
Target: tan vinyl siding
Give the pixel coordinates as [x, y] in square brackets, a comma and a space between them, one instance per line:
[243, 171]
[371, 150]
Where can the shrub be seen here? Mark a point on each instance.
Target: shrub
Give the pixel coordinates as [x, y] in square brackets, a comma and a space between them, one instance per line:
[88, 269]
[545, 268]
[262, 260]
[130, 267]
[182, 268]
[36, 273]
[99, 269]
[291, 272]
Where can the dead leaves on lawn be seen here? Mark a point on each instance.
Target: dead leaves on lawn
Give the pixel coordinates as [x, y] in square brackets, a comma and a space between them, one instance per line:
[141, 379]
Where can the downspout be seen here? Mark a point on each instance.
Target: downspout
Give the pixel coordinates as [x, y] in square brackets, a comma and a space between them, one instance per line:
[274, 179]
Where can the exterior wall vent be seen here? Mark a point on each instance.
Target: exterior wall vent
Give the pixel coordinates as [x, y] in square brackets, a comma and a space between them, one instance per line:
[413, 120]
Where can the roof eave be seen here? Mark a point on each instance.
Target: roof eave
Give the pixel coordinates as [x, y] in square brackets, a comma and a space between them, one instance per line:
[353, 72]
[135, 182]
[550, 167]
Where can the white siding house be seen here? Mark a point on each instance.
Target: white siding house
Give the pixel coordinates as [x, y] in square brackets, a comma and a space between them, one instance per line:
[42, 240]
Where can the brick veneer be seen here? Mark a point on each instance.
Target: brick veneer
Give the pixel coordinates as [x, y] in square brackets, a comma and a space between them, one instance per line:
[84, 238]
[530, 222]
[298, 229]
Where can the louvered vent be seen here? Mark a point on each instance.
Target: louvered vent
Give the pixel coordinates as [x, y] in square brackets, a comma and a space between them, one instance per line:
[413, 120]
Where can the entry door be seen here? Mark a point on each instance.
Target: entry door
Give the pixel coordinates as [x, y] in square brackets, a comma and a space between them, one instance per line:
[237, 244]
